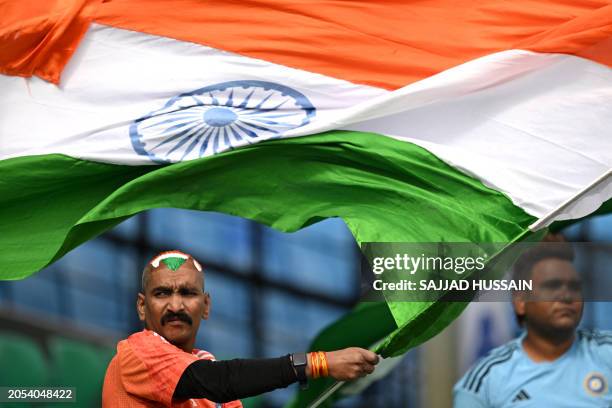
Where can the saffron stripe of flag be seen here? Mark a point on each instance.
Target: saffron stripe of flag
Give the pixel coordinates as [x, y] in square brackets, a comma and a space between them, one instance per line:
[402, 42]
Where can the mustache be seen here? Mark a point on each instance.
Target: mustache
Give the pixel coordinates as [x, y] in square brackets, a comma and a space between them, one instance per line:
[176, 316]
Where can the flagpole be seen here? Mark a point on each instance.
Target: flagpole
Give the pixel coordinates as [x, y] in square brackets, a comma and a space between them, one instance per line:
[542, 222]
[326, 394]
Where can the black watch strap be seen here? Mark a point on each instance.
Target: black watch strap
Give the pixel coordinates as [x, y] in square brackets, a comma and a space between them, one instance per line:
[299, 362]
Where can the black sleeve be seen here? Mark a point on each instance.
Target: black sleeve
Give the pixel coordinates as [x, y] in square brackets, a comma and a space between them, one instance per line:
[223, 381]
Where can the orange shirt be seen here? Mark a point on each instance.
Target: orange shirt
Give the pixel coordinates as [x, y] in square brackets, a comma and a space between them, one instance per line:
[145, 372]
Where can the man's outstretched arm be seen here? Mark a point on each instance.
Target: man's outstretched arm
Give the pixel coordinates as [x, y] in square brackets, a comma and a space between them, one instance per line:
[223, 381]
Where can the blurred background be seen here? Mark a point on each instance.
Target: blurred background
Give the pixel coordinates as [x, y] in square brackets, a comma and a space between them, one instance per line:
[272, 293]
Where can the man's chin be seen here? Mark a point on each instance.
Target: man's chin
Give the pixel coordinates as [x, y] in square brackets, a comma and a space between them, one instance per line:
[176, 334]
[565, 324]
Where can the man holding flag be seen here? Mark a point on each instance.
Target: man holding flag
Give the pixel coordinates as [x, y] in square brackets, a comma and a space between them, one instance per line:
[159, 366]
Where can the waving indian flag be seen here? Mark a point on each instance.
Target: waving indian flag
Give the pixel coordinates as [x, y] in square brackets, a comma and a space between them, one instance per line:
[413, 121]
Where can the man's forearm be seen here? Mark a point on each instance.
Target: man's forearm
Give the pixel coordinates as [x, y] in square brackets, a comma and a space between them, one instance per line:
[223, 381]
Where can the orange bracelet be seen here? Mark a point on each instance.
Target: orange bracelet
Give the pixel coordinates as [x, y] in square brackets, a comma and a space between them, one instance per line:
[318, 364]
[314, 365]
[324, 367]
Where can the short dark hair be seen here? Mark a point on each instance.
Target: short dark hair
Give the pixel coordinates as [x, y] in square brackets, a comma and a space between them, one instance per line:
[554, 247]
[524, 264]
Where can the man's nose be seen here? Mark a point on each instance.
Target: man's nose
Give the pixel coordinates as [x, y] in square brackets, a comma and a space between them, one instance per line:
[565, 295]
[568, 294]
[176, 303]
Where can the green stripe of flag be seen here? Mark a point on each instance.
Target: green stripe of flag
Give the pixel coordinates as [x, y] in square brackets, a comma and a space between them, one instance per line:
[384, 189]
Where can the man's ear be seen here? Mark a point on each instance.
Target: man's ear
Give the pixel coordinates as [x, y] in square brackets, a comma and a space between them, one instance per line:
[140, 307]
[207, 302]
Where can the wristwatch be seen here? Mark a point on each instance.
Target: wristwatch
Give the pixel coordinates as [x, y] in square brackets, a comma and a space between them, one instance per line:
[299, 362]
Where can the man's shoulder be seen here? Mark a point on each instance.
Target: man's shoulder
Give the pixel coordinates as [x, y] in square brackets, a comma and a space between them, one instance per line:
[595, 336]
[497, 356]
[147, 345]
[148, 339]
[599, 341]
[488, 367]
[146, 336]
[149, 367]
[204, 355]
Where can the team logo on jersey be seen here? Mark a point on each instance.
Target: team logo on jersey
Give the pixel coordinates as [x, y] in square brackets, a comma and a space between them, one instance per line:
[219, 117]
[596, 384]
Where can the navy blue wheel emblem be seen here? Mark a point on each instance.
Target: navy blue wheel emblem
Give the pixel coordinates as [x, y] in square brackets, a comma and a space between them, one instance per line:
[219, 117]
